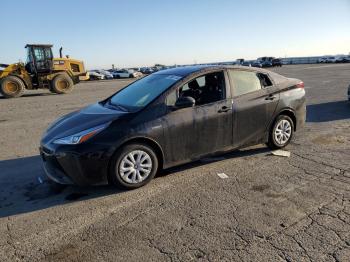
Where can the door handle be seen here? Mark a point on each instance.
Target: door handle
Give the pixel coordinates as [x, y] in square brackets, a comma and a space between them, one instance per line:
[224, 109]
[270, 97]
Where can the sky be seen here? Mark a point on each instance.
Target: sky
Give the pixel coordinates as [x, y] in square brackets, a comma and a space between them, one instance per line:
[142, 33]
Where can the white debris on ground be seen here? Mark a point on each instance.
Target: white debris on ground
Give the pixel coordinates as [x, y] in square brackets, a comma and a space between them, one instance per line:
[222, 175]
[281, 153]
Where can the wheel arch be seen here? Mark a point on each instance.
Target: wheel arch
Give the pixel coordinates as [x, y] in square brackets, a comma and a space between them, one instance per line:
[288, 112]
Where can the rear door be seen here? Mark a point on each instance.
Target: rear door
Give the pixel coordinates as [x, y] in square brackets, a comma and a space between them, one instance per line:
[254, 105]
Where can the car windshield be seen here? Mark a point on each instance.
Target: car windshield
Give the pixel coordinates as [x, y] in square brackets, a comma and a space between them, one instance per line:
[140, 93]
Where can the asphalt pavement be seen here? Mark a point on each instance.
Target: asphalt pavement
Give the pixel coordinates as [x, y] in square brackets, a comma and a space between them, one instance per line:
[268, 208]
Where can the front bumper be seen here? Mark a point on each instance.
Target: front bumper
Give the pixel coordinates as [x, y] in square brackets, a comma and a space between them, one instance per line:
[71, 167]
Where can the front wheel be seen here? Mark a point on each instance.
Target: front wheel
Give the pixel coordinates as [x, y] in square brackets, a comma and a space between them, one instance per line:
[62, 84]
[281, 132]
[133, 166]
[11, 86]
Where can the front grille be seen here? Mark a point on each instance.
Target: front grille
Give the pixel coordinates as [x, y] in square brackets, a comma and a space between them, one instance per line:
[75, 68]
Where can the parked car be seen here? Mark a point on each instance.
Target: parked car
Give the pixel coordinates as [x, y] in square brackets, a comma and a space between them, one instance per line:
[169, 118]
[257, 64]
[322, 60]
[247, 63]
[125, 73]
[135, 73]
[239, 61]
[328, 59]
[107, 75]
[266, 63]
[342, 59]
[93, 75]
[349, 93]
[276, 62]
[148, 71]
[143, 69]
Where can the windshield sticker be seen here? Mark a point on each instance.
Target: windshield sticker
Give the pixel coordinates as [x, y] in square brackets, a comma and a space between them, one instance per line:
[174, 77]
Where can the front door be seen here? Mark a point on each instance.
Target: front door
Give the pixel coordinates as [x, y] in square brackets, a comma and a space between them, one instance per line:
[203, 129]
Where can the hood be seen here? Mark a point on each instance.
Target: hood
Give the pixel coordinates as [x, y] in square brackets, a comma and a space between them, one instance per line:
[78, 121]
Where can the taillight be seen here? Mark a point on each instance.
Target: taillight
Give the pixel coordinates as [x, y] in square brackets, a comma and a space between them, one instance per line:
[301, 85]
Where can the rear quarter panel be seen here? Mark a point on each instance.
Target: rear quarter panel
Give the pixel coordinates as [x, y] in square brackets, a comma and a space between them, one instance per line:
[292, 98]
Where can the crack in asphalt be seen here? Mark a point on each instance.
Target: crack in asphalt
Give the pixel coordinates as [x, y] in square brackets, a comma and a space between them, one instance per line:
[320, 162]
[159, 249]
[9, 239]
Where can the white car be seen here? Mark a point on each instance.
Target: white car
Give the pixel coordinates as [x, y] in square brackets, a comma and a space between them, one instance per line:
[125, 73]
[93, 75]
[107, 75]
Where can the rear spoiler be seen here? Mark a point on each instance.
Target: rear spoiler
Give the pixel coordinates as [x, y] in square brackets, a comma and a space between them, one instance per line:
[3, 65]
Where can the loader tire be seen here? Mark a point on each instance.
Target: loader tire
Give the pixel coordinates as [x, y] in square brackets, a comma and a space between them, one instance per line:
[11, 86]
[62, 84]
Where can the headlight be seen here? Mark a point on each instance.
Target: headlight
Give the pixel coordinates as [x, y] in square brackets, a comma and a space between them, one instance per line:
[81, 136]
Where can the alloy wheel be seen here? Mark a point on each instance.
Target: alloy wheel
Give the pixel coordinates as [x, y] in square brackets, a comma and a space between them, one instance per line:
[135, 167]
[283, 132]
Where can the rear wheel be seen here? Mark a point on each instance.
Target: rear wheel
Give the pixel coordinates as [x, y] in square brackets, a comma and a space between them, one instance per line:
[131, 76]
[281, 132]
[62, 84]
[133, 166]
[11, 86]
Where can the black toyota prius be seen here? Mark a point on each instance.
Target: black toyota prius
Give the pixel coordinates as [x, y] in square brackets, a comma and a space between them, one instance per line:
[169, 118]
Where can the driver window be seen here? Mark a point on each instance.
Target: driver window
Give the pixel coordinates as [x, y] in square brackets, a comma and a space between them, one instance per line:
[205, 89]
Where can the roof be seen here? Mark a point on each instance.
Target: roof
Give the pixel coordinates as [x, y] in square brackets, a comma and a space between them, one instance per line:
[181, 70]
[187, 70]
[39, 45]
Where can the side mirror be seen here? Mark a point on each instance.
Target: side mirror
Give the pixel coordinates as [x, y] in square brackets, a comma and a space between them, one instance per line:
[185, 101]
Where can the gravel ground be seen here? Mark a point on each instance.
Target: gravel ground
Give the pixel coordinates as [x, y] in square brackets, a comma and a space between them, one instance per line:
[269, 208]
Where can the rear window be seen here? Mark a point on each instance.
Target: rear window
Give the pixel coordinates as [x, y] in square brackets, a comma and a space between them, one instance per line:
[244, 82]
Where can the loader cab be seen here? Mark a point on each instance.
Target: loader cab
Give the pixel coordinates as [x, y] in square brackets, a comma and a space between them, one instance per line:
[39, 59]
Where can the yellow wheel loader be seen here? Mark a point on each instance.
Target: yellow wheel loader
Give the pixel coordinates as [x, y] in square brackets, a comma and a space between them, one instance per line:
[41, 70]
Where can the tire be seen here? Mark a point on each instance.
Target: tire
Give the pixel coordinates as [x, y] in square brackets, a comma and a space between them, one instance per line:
[278, 140]
[122, 158]
[131, 76]
[62, 84]
[118, 77]
[11, 86]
